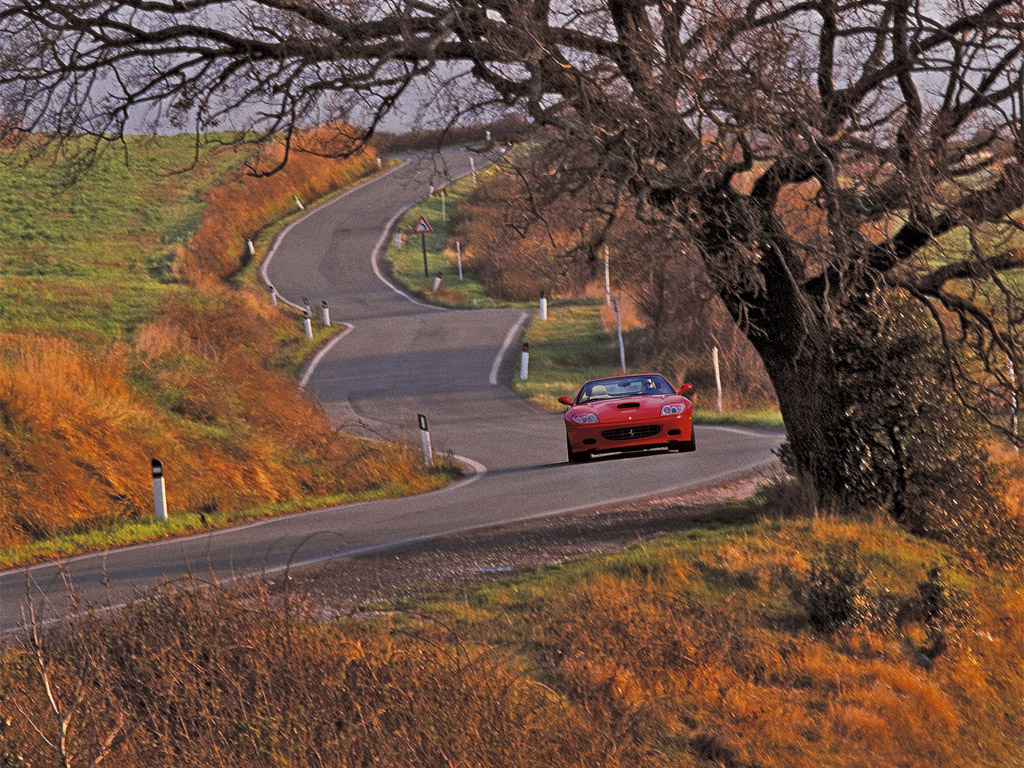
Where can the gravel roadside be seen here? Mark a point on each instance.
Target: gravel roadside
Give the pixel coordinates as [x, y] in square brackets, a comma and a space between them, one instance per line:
[341, 586]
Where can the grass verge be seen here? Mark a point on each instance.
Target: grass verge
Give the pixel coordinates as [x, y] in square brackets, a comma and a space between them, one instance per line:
[404, 264]
[122, 533]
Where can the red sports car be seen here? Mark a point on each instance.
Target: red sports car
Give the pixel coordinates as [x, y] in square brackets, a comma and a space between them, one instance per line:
[628, 413]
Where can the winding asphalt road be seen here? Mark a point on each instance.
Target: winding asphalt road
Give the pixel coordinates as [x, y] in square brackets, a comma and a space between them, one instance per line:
[398, 358]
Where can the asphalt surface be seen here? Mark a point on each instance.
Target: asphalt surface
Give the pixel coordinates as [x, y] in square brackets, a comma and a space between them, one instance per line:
[397, 359]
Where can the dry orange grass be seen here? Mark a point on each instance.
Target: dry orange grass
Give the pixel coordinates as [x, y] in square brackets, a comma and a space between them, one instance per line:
[81, 424]
[75, 433]
[240, 207]
[703, 646]
[690, 651]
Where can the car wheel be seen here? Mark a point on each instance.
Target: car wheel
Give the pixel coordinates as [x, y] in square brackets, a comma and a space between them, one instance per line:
[687, 446]
[574, 457]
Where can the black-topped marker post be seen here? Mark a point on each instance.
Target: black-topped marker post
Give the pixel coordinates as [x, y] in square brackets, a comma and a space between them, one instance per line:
[159, 492]
[428, 451]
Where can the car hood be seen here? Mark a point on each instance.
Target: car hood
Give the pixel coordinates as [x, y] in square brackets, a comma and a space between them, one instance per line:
[631, 408]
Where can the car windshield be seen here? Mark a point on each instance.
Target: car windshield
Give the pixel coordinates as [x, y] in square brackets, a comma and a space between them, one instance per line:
[623, 386]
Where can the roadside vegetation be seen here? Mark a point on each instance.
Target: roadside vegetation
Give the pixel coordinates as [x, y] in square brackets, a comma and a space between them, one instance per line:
[129, 330]
[759, 636]
[764, 634]
[501, 267]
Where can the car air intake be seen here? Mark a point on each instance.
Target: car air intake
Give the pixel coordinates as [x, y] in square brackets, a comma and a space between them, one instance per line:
[627, 406]
[631, 433]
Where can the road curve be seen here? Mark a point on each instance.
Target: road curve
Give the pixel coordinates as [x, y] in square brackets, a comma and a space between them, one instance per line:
[398, 358]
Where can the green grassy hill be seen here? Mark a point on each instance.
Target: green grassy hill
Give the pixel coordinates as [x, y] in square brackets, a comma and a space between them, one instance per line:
[125, 336]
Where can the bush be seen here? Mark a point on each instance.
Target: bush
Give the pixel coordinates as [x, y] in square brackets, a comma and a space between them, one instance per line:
[903, 442]
[835, 595]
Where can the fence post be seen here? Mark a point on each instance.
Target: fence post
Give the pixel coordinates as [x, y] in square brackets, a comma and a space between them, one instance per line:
[428, 451]
[618, 330]
[325, 315]
[159, 491]
[718, 378]
[524, 363]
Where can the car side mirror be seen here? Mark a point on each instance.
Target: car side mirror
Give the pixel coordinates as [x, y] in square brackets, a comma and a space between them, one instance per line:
[685, 389]
[565, 400]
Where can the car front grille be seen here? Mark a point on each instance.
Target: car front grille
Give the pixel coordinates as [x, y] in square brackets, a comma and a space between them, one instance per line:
[631, 433]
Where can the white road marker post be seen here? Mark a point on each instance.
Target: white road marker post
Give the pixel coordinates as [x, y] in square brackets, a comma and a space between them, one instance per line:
[428, 451]
[298, 202]
[305, 303]
[159, 491]
[1013, 402]
[472, 168]
[524, 363]
[618, 329]
[250, 249]
[380, 163]
[458, 256]
[718, 378]
[325, 314]
[543, 306]
[273, 296]
[398, 238]
[308, 324]
[437, 281]
[444, 205]
[487, 135]
[607, 279]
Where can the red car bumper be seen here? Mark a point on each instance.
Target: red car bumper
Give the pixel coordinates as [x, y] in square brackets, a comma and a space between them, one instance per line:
[663, 432]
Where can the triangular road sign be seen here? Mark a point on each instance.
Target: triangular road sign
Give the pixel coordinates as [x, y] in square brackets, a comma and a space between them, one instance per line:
[422, 227]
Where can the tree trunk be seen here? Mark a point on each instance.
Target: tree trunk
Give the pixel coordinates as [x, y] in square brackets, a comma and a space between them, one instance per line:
[812, 407]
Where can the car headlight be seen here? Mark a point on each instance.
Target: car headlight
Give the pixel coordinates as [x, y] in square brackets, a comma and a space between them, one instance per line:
[673, 410]
[584, 418]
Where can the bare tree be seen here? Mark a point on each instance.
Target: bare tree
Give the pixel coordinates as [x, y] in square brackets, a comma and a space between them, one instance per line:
[818, 154]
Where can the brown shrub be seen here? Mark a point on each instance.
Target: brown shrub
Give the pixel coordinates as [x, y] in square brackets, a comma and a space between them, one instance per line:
[519, 242]
[321, 161]
[210, 677]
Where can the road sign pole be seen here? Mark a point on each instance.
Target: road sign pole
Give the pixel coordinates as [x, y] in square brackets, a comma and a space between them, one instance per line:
[718, 379]
[607, 279]
[618, 326]
[423, 239]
